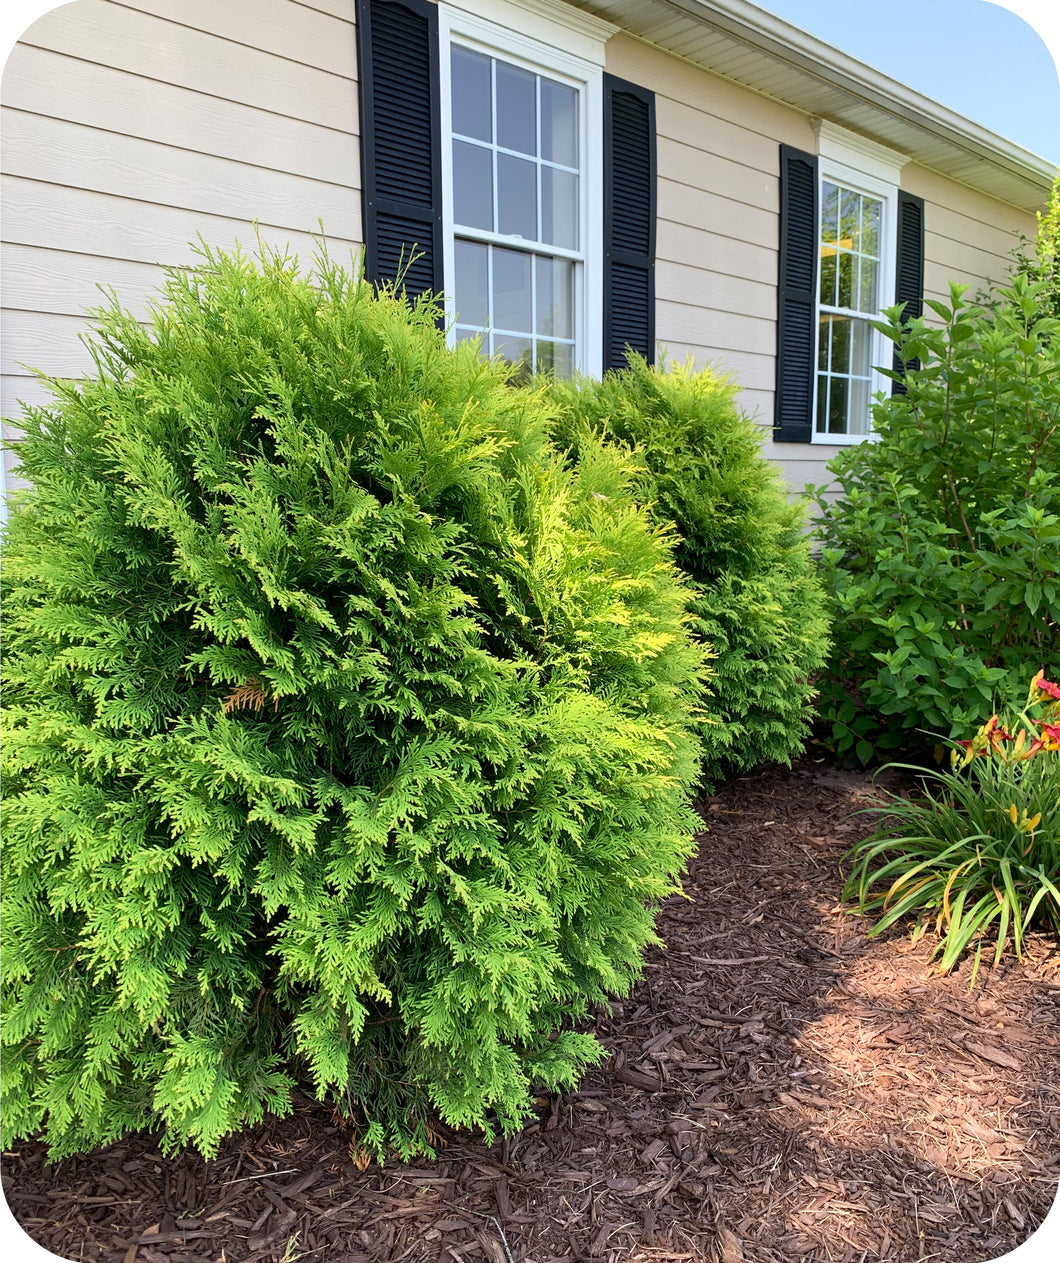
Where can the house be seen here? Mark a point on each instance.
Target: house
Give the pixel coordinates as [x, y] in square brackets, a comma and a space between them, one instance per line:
[576, 175]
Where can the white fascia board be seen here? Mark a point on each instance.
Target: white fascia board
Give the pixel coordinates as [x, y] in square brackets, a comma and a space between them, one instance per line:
[772, 34]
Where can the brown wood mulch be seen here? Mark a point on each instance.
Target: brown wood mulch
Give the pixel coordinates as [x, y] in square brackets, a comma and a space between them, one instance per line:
[782, 1089]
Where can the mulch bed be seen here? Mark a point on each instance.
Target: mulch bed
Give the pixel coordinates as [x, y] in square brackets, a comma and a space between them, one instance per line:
[781, 1088]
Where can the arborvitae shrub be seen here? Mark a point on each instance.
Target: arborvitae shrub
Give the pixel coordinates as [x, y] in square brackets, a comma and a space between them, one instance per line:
[759, 605]
[942, 554]
[349, 731]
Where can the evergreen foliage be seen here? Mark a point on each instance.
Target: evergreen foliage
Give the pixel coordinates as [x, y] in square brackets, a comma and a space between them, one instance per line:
[759, 605]
[349, 731]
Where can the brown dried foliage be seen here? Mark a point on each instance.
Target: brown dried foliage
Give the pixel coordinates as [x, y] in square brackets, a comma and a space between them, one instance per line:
[248, 696]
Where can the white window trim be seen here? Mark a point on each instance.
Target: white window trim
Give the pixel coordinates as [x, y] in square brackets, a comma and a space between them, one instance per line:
[539, 35]
[857, 163]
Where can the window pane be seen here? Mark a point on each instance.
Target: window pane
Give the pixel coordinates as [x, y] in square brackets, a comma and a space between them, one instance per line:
[859, 406]
[516, 197]
[829, 213]
[840, 345]
[845, 294]
[555, 357]
[860, 349]
[472, 103]
[822, 404]
[511, 290]
[516, 109]
[837, 406]
[823, 340]
[870, 226]
[555, 297]
[472, 185]
[467, 335]
[559, 208]
[867, 298]
[849, 220]
[471, 284]
[518, 351]
[559, 123]
[828, 273]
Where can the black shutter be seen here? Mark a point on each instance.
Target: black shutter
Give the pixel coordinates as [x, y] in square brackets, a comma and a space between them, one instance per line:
[796, 297]
[401, 176]
[629, 221]
[909, 278]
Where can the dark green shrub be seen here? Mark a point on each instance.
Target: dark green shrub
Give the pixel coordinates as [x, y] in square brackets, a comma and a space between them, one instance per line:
[759, 605]
[349, 731]
[943, 552]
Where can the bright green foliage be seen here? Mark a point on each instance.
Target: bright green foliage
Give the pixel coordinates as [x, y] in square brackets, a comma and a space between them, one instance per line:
[1044, 265]
[349, 732]
[759, 605]
[982, 846]
[943, 552]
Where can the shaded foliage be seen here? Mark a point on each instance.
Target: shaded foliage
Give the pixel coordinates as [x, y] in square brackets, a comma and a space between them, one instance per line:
[759, 605]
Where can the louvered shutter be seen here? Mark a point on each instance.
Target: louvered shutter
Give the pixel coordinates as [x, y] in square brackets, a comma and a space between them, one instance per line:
[397, 43]
[629, 221]
[796, 297]
[909, 277]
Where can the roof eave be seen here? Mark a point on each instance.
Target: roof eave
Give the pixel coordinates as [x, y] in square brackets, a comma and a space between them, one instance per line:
[928, 132]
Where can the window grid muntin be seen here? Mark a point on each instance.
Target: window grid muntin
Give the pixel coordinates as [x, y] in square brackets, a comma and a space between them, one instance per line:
[828, 312]
[491, 334]
[535, 248]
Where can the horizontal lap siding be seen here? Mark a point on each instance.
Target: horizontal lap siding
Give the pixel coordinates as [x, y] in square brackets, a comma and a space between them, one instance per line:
[968, 237]
[131, 128]
[718, 233]
[716, 269]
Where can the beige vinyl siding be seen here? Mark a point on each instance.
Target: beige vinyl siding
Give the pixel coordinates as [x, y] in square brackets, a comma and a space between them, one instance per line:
[130, 128]
[718, 229]
[968, 237]
[718, 226]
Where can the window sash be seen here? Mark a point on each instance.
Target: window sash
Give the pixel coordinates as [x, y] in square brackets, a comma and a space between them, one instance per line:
[855, 388]
[547, 50]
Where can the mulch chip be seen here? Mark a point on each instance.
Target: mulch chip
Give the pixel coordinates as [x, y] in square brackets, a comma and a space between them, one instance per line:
[781, 1089]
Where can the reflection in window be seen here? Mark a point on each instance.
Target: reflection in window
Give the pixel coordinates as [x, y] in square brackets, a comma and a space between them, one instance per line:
[516, 175]
[848, 299]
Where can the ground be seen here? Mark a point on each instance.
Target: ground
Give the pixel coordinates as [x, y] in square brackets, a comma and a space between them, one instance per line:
[781, 1089]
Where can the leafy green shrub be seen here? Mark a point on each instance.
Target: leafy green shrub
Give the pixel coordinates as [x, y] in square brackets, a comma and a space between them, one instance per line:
[349, 731]
[942, 553]
[759, 605]
[1044, 264]
[983, 844]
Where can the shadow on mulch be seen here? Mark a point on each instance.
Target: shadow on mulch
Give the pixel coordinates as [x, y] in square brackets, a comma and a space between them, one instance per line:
[781, 1089]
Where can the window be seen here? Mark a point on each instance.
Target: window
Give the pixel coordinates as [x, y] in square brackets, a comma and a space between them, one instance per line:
[521, 170]
[858, 222]
[516, 180]
[849, 296]
[851, 243]
[489, 134]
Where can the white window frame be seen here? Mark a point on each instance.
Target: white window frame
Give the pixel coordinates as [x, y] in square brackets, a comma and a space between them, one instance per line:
[861, 165]
[552, 40]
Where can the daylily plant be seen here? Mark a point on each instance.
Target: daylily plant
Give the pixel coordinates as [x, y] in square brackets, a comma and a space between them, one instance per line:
[979, 851]
[1037, 733]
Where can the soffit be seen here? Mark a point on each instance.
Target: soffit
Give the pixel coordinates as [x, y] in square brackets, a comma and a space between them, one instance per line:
[761, 51]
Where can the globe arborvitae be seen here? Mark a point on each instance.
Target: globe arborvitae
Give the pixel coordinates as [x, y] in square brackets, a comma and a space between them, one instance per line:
[760, 606]
[349, 729]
